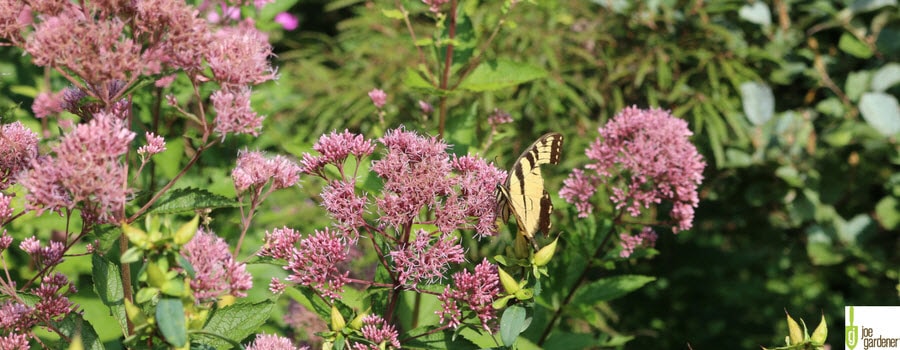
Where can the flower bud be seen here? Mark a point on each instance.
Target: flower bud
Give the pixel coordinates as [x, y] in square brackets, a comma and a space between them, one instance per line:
[510, 285]
[543, 256]
[795, 334]
[187, 231]
[337, 320]
[821, 333]
[357, 322]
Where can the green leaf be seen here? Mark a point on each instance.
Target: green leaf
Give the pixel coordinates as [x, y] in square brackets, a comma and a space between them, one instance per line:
[888, 212]
[819, 247]
[235, 322]
[74, 324]
[170, 320]
[610, 288]
[190, 199]
[426, 338]
[461, 130]
[499, 74]
[512, 323]
[416, 81]
[857, 83]
[881, 111]
[886, 77]
[853, 46]
[131, 255]
[860, 6]
[108, 286]
[392, 13]
[758, 101]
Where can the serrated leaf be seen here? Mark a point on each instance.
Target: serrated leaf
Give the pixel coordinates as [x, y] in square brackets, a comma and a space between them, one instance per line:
[108, 286]
[190, 199]
[758, 102]
[499, 74]
[170, 320]
[235, 322]
[74, 324]
[610, 288]
[881, 111]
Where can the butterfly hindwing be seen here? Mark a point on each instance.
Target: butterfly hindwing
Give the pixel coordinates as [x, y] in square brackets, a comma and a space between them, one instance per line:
[523, 193]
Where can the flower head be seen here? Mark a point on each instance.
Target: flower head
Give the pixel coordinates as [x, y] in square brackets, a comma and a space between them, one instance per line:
[344, 205]
[334, 148]
[271, 342]
[423, 260]
[233, 112]
[378, 331]
[217, 273]
[645, 157]
[435, 5]
[239, 55]
[315, 263]
[18, 147]
[379, 98]
[155, 144]
[43, 256]
[499, 117]
[475, 291]
[647, 238]
[255, 170]
[47, 103]
[279, 243]
[85, 171]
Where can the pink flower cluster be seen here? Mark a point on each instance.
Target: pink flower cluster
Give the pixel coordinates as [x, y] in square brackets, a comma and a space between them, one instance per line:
[43, 256]
[217, 273]
[86, 171]
[6, 209]
[423, 260]
[272, 342]
[475, 291]
[379, 97]
[644, 157]
[334, 149]
[315, 263]
[17, 319]
[254, 170]
[378, 331]
[155, 144]
[647, 238]
[18, 147]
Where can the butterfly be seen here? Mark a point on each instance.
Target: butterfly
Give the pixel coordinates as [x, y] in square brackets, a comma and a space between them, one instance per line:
[523, 193]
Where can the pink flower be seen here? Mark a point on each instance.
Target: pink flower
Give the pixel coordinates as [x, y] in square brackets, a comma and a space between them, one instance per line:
[179, 38]
[271, 342]
[43, 256]
[476, 183]
[435, 5]
[423, 260]
[475, 291]
[279, 243]
[340, 199]
[155, 144]
[379, 332]
[287, 21]
[379, 98]
[18, 147]
[315, 263]
[5, 209]
[254, 170]
[415, 172]
[15, 15]
[216, 271]
[165, 81]
[233, 112]
[334, 148]
[499, 117]
[645, 157]
[276, 286]
[47, 103]
[240, 55]
[425, 107]
[53, 304]
[5, 240]
[92, 49]
[86, 171]
[647, 238]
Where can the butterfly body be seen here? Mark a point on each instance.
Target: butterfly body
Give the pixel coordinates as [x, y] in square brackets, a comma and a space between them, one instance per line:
[523, 194]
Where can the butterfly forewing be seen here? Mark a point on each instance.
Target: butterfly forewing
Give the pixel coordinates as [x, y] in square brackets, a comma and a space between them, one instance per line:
[524, 192]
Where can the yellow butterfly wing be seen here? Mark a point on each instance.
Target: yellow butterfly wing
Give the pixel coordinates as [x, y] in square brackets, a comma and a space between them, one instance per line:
[523, 194]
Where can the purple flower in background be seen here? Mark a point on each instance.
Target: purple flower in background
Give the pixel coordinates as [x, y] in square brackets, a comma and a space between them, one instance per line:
[217, 273]
[47, 103]
[239, 55]
[315, 263]
[644, 157]
[647, 238]
[287, 21]
[233, 112]
[379, 98]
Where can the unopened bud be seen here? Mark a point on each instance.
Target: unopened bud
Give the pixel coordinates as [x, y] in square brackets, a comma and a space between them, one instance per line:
[543, 256]
[821, 333]
[187, 231]
[510, 285]
[795, 334]
[337, 321]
